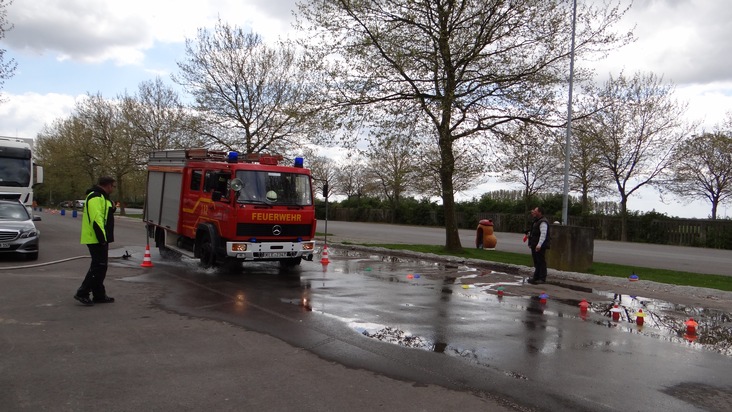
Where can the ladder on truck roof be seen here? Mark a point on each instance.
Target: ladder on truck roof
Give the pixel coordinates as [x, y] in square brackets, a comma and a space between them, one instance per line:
[178, 157]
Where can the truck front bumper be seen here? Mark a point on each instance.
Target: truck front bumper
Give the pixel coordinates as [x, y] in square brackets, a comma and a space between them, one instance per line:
[270, 250]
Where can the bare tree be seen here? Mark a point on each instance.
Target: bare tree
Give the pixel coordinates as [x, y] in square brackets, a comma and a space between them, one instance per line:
[66, 173]
[93, 141]
[102, 140]
[351, 177]
[324, 170]
[262, 95]
[529, 155]
[7, 66]
[390, 166]
[702, 169]
[586, 174]
[469, 66]
[636, 132]
[157, 119]
[471, 166]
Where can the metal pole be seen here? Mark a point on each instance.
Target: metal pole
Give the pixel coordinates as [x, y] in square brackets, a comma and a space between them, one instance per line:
[568, 147]
[326, 219]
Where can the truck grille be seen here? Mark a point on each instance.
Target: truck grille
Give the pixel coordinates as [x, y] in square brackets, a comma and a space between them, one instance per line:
[267, 230]
[8, 235]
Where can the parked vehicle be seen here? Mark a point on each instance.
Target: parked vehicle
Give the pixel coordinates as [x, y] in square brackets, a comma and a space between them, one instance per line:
[79, 204]
[18, 233]
[18, 172]
[215, 207]
[66, 204]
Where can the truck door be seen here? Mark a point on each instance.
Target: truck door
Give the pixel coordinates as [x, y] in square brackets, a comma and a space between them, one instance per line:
[191, 207]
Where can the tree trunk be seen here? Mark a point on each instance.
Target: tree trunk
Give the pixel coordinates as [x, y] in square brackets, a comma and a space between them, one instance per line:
[585, 200]
[452, 236]
[624, 219]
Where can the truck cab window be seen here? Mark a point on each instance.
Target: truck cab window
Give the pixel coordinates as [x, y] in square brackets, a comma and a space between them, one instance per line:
[289, 189]
[196, 178]
[217, 183]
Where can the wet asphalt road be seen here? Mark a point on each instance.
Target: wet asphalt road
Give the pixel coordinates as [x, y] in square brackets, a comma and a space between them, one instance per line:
[424, 322]
[416, 320]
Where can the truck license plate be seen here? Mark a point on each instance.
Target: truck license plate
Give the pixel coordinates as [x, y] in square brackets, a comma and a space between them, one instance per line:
[273, 254]
[4, 245]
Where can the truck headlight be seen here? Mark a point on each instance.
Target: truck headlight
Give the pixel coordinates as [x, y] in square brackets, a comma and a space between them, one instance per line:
[239, 247]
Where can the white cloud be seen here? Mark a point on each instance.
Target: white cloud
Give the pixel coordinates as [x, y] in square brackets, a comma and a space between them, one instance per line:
[95, 31]
[683, 40]
[25, 115]
[708, 103]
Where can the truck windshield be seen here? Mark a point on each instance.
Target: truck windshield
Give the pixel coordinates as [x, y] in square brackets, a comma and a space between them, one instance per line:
[276, 188]
[15, 172]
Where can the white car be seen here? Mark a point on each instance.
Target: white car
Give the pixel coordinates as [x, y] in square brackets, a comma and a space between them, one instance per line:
[79, 204]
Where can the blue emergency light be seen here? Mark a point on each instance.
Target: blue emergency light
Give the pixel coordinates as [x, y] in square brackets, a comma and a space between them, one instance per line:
[232, 157]
[299, 162]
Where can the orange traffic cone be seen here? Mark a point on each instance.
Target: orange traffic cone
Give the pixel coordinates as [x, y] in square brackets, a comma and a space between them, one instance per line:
[324, 260]
[147, 261]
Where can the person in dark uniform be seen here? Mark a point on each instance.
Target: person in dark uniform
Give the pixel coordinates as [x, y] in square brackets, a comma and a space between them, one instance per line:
[539, 243]
[97, 231]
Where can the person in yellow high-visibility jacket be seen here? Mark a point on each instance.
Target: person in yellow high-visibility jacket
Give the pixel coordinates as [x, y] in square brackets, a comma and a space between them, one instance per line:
[97, 231]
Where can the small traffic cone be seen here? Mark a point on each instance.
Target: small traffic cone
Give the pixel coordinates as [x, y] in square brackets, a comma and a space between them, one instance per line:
[324, 260]
[147, 260]
[615, 311]
[691, 325]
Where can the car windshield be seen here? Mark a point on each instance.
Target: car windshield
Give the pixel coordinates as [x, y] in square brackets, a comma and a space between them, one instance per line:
[291, 189]
[13, 211]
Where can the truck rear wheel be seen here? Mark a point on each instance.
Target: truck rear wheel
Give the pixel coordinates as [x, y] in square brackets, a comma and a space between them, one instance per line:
[165, 252]
[206, 251]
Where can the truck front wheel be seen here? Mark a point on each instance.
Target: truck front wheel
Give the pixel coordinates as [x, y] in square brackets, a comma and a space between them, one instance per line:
[288, 263]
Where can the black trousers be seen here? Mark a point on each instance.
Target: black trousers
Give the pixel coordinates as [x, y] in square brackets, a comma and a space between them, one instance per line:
[94, 280]
[539, 264]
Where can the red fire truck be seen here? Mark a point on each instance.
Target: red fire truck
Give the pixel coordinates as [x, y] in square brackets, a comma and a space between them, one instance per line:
[217, 207]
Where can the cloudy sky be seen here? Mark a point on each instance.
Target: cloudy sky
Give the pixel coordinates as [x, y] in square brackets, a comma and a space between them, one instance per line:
[65, 49]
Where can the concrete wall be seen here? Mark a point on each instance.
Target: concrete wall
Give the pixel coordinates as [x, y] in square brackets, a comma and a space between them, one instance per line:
[572, 248]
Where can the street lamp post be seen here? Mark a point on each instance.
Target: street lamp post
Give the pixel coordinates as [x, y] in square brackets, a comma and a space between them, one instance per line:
[325, 195]
[568, 147]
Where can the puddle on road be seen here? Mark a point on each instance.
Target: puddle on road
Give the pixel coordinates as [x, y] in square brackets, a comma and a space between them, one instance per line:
[662, 320]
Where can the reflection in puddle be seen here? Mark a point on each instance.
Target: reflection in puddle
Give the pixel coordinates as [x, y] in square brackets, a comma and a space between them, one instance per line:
[662, 320]
[667, 321]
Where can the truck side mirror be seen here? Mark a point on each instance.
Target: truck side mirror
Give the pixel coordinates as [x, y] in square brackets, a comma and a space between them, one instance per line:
[236, 184]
